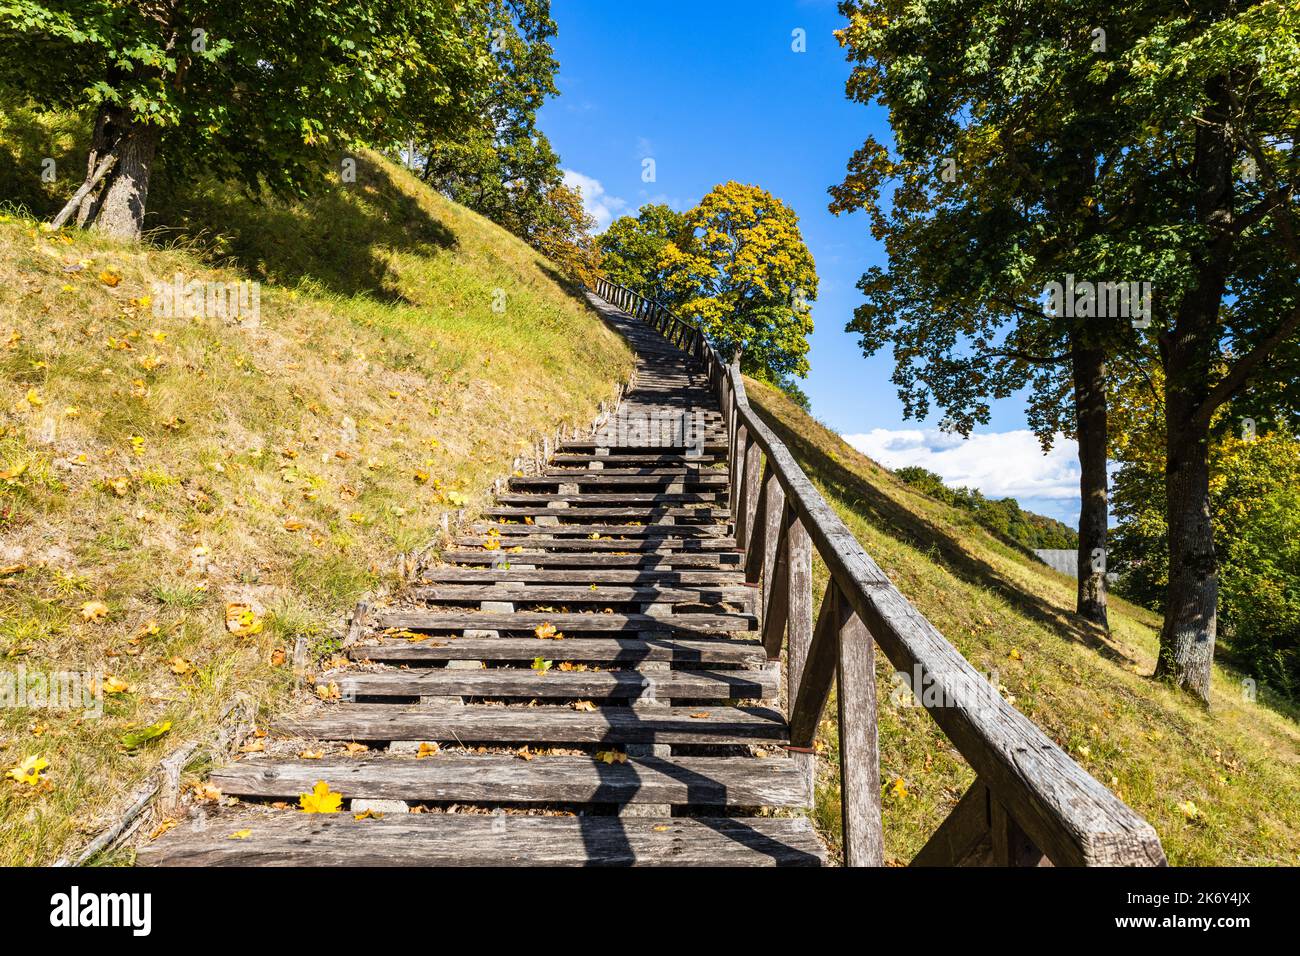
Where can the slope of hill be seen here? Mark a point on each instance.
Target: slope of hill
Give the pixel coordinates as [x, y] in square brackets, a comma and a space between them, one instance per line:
[157, 467]
[1220, 786]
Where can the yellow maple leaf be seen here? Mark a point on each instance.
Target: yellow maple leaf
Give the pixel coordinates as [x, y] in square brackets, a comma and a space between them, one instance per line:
[1190, 810]
[242, 620]
[93, 611]
[241, 834]
[1015, 654]
[110, 279]
[545, 631]
[367, 815]
[30, 771]
[611, 756]
[541, 666]
[427, 750]
[899, 789]
[321, 799]
[115, 685]
[34, 398]
[311, 755]
[584, 706]
[491, 544]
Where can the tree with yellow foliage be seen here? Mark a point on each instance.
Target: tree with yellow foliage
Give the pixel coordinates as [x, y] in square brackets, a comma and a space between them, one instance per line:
[741, 269]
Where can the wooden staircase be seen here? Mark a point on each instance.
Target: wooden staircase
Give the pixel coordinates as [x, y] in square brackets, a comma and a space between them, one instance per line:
[649, 733]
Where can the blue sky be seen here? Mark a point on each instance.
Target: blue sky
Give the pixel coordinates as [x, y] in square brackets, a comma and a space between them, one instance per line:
[711, 91]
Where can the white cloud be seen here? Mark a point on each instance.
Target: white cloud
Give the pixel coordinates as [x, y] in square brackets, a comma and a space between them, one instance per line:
[1000, 464]
[599, 205]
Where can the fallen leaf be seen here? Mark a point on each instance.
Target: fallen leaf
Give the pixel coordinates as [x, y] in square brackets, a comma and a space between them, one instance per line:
[367, 815]
[242, 620]
[93, 611]
[30, 771]
[241, 834]
[427, 750]
[541, 666]
[611, 756]
[584, 706]
[321, 799]
[110, 279]
[139, 738]
[310, 755]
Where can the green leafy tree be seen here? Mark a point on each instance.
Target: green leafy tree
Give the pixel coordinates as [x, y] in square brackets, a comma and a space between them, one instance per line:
[502, 165]
[632, 250]
[740, 267]
[262, 92]
[1149, 142]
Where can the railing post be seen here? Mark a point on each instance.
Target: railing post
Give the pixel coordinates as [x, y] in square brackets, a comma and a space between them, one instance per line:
[773, 520]
[739, 444]
[859, 753]
[798, 628]
[749, 501]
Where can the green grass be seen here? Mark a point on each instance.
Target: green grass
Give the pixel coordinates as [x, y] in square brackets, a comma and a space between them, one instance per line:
[170, 466]
[1238, 763]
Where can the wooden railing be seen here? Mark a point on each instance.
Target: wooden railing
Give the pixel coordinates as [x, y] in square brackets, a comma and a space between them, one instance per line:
[1030, 803]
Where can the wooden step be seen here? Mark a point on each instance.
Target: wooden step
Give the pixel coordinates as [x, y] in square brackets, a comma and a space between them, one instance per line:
[486, 723]
[446, 778]
[629, 460]
[690, 474]
[739, 595]
[529, 531]
[598, 479]
[441, 839]
[628, 498]
[639, 559]
[592, 650]
[758, 684]
[712, 515]
[586, 576]
[527, 621]
[626, 544]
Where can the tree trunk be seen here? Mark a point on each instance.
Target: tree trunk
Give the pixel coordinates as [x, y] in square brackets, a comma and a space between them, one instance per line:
[1191, 602]
[126, 190]
[116, 206]
[1189, 352]
[1089, 366]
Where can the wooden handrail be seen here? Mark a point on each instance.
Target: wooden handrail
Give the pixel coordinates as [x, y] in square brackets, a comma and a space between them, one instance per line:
[1030, 801]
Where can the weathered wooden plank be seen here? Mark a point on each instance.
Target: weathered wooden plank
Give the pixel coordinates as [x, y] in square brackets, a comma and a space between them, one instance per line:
[599, 479]
[649, 470]
[637, 559]
[964, 837]
[598, 650]
[864, 843]
[641, 513]
[701, 781]
[644, 530]
[543, 577]
[507, 840]
[756, 539]
[527, 621]
[636, 544]
[776, 591]
[525, 682]
[621, 498]
[799, 627]
[490, 724]
[592, 594]
[818, 676]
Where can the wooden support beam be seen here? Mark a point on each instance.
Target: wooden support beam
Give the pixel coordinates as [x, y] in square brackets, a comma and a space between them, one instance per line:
[963, 839]
[818, 674]
[859, 749]
[776, 588]
[756, 541]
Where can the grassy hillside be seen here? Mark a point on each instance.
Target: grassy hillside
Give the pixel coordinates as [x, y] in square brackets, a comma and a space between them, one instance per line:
[1221, 787]
[155, 469]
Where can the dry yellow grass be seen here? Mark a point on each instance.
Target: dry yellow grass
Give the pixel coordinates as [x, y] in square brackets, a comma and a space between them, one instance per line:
[1221, 787]
[406, 351]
